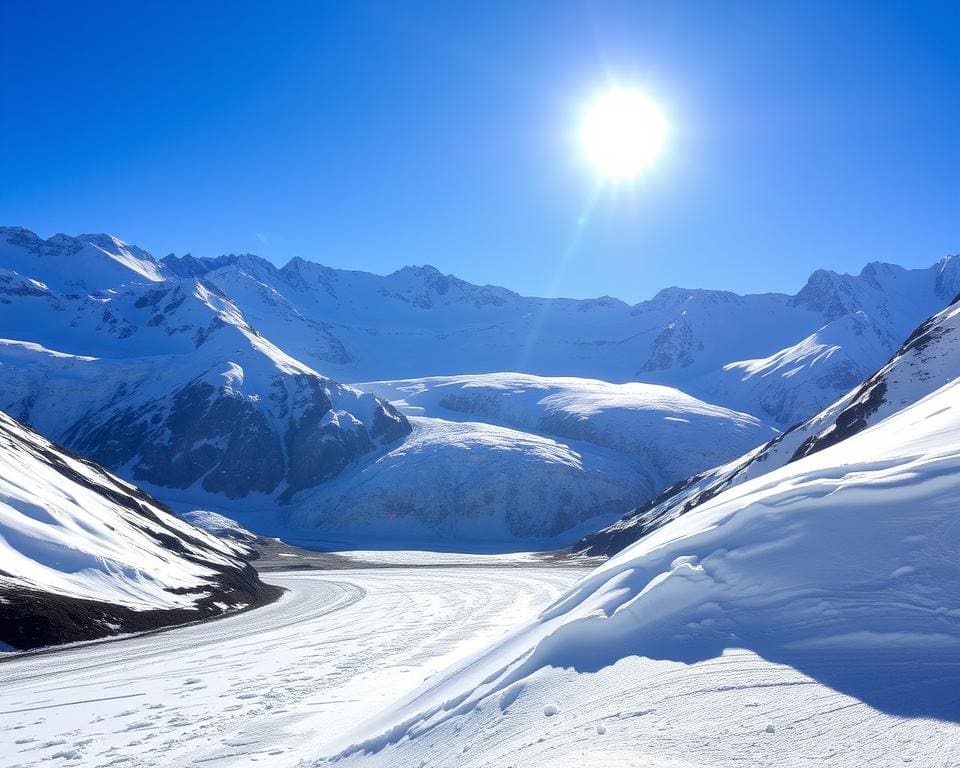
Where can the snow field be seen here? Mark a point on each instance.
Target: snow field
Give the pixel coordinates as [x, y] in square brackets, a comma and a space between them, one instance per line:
[271, 685]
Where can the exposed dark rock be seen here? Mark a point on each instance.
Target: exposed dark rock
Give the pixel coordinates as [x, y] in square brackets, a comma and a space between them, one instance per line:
[30, 618]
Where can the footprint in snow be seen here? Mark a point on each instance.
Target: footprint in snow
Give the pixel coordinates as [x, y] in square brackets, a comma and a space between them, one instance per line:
[67, 754]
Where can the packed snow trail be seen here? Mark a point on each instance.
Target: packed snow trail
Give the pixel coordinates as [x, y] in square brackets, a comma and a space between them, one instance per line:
[274, 684]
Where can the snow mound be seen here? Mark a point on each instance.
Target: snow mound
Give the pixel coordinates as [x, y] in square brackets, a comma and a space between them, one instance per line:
[219, 525]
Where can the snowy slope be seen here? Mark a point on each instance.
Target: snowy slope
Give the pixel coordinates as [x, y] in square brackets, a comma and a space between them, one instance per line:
[470, 484]
[84, 555]
[807, 614]
[804, 378]
[265, 687]
[671, 433]
[82, 263]
[927, 360]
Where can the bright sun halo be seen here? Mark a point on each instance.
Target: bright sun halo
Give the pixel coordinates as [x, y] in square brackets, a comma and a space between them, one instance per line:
[622, 133]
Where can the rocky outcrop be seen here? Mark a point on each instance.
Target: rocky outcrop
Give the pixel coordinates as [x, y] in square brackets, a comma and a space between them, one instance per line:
[89, 556]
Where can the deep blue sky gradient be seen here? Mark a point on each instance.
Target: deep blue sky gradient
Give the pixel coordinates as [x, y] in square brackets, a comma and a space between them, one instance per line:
[373, 135]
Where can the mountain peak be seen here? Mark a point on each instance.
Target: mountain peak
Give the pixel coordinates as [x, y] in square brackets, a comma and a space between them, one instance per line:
[100, 239]
[948, 277]
[675, 296]
[426, 271]
[87, 262]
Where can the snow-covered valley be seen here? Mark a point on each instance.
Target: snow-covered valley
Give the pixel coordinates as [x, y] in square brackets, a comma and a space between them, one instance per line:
[776, 595]
[271, 686]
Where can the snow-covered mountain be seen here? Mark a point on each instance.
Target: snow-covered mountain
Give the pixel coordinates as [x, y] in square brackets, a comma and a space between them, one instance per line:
[84, 555]
[811, 611]
[76, 264]
[927, 360]
[164, 380]
[780, 357]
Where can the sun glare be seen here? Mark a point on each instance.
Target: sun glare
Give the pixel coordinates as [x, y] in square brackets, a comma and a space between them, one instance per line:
[622, 132]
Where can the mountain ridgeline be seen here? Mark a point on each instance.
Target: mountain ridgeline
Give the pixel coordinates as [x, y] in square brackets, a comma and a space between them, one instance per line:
[214, 383]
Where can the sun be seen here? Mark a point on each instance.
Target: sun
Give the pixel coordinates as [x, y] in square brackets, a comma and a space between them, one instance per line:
[622, 132]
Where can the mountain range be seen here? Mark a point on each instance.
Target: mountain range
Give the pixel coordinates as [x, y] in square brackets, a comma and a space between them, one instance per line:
[214, 383]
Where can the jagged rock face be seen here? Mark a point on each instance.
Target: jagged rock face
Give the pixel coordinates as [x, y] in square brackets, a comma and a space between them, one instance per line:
[948, 278]
[228, 443]
[675, 347]
[826, 293]
[225, 441]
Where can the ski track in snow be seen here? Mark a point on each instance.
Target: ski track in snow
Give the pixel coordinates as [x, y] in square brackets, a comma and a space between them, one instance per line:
[272, 685]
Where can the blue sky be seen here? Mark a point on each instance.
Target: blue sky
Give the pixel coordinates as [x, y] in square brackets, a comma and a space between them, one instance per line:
[374, 135]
